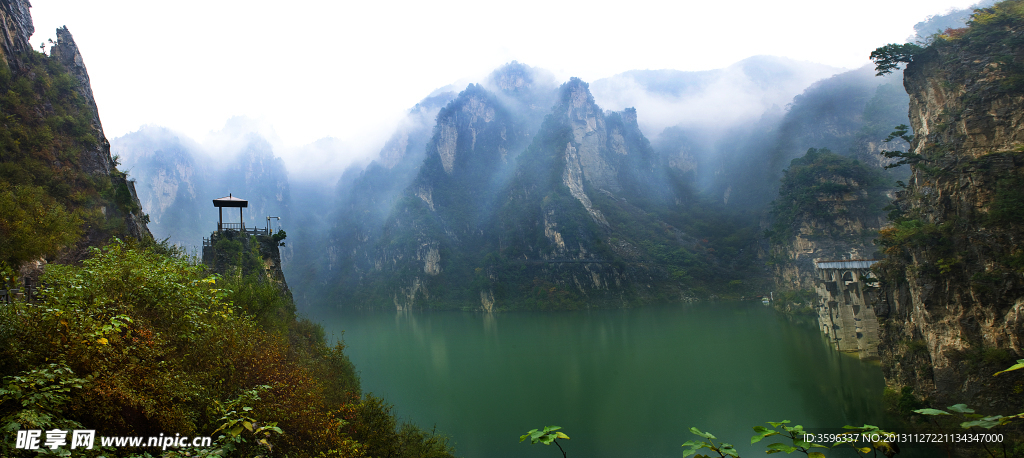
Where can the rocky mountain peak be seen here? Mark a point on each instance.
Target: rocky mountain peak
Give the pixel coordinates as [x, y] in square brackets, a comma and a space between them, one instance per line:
[467, 115]
[512, 77]
[629, 118]
[589, 136]
[66, 52]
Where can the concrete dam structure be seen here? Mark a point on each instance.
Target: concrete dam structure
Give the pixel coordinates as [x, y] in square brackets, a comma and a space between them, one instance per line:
[845, 312]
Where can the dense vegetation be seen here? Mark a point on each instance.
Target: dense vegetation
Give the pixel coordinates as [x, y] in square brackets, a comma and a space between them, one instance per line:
[990, 33]
[34, 224]
[138, 342]
[46, 133]
[824, 185]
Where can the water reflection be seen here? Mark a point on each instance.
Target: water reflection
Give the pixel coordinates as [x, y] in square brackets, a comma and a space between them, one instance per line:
[644, 374]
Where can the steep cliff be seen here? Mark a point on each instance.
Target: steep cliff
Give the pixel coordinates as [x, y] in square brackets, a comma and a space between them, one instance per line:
[173, 183]
[508, 211]
[565, 225]
[17, 29]
[442, 214]
[232, 253]
[954, 272]
[52, 143]
[450, 155]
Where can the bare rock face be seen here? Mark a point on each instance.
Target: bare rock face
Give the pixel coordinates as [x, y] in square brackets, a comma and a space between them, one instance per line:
[590, 136]
[953, 280]
[470, 118]
[446, 141]
[17, 29]
[498, 216]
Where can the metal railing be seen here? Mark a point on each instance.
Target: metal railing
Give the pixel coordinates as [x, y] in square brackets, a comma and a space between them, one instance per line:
[31, 293]
[256, 231]
[238, 227]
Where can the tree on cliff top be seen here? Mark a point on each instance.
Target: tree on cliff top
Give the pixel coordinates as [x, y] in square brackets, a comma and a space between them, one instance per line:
[889, 57]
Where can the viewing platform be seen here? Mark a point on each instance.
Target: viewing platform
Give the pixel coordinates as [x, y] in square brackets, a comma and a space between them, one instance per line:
[234, 202]
[238, 228]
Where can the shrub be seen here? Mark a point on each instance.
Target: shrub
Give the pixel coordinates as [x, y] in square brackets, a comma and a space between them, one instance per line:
[136, 343]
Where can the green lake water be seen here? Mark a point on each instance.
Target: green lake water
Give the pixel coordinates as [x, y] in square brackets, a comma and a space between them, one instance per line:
[620, 383]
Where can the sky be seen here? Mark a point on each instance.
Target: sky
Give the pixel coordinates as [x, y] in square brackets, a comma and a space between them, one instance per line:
[350, 70]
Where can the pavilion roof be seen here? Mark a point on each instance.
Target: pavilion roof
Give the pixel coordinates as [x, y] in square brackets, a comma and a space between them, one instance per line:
[230, 201]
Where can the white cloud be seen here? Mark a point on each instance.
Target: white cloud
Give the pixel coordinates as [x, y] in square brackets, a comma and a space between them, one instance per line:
[350, 70]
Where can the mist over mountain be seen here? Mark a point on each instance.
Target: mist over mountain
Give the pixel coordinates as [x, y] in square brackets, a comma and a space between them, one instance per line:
[526, 197]
[486, 197]
[178, 178]
[366, 197]
[713, 101]
[357, 206]
[703, 194]
[849, 113]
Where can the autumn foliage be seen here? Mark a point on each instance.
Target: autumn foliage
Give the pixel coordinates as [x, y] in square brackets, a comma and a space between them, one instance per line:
[138, 343]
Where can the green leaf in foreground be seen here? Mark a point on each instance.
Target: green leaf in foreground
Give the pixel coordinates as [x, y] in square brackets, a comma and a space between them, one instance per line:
[987, 422]
[932, 412]
[1019, 365]
[962, 408]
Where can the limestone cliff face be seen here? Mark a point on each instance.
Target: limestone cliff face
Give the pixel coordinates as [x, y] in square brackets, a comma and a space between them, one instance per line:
[954, 284]
[514, 206]
[570, 212]
[401, 221]
[829, 238]
[172, 183]
[96, 159]
[17, 29]
[498, 218]
[365, 197]
[445, 210]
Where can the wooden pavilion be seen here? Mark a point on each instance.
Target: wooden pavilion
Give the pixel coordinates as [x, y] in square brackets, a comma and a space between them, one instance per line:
[231, 202]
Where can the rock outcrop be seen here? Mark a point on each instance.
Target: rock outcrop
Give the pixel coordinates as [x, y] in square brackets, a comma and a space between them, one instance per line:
[17, 29]
[829, 208]
[953, 274]
[238, 253]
